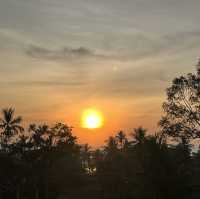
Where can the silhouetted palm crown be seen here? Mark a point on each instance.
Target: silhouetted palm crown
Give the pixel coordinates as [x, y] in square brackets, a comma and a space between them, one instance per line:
[9, 124]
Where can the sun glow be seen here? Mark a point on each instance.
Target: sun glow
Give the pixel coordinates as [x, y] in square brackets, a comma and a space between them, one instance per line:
[92, 119]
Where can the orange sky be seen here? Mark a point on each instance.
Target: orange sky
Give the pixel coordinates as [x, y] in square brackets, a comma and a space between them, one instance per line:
[58, 58]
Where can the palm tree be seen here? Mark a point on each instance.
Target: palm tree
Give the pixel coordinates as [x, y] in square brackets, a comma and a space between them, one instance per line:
[139, 135]
[39, 135]
[121, 137]
[111, 145]
[9, 124]
[41, 144]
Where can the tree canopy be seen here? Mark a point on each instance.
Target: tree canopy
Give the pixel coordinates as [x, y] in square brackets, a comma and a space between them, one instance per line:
[182, 108]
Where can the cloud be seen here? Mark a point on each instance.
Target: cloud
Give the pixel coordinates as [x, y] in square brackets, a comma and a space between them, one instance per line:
[61, 54]
[124, 48]
[173, 43]
[46, 83]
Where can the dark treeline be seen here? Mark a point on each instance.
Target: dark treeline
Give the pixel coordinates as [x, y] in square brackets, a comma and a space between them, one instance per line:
[44, 162]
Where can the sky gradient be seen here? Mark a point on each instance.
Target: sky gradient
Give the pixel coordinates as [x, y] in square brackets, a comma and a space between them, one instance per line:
[61, 57]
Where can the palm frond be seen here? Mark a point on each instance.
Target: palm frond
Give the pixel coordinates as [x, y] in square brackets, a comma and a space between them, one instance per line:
[16, 120]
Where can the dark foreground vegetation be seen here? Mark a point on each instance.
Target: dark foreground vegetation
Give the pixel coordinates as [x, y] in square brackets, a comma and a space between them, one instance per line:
[45, 162]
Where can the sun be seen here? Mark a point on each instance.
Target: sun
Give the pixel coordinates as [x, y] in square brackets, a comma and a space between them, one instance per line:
[92, 119]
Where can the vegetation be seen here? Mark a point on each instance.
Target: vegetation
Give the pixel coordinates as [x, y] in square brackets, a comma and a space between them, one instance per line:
[44, 162]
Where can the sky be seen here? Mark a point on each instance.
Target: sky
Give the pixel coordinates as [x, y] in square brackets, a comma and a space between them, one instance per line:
[58, 58]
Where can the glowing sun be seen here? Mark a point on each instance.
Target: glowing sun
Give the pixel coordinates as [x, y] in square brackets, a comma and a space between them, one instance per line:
[92, 119]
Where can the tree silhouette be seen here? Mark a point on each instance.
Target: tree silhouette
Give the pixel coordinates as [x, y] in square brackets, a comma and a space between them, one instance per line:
[111, 146]
[139, 135]
[39, 135]
[9, 124]
[121, 138]
[182, 108]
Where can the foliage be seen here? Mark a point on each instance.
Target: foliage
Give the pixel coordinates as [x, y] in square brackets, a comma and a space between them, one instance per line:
[182, 108]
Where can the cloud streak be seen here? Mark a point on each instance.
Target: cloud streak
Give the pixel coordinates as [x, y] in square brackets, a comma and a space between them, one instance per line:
[65, 53]
[137, 47]
[46, 83]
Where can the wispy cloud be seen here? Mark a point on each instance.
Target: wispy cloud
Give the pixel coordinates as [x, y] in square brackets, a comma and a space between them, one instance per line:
[61, 54]
[45, 83]
[137, 47]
